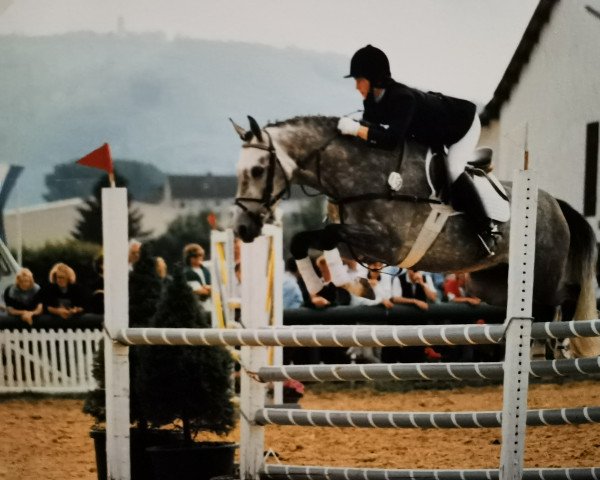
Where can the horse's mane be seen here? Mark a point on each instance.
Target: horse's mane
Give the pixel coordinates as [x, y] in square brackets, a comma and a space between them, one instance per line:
[321, 121]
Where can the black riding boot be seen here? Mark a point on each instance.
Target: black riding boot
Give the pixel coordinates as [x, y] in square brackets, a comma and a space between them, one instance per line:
[465, 198]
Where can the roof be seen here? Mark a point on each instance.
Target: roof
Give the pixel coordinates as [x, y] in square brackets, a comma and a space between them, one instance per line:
[522, 54]
[195, 187]
[186, 187]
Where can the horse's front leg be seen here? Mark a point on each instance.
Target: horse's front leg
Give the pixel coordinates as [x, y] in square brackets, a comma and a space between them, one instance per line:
[326, 240]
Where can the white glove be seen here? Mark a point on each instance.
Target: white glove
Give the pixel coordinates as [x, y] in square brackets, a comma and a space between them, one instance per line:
[347, 126]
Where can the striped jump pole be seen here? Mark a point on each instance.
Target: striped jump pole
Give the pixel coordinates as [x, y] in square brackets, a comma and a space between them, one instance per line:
[350, 335]
[478, 419]
[425, 371]
[297, 472]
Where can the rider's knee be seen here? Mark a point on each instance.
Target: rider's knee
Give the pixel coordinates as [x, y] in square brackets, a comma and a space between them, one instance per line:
[299, 245]
[330, 236]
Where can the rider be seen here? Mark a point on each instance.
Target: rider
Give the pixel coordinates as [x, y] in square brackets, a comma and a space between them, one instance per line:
[394, 112]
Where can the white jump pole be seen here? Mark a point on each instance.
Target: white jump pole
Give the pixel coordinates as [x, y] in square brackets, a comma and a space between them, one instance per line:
[254, 313]
[518, 324]
[116, 317]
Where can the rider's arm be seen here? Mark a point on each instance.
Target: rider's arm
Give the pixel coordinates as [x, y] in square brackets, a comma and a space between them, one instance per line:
[402, 108]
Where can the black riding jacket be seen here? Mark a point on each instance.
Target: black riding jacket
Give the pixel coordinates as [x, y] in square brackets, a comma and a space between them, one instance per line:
[403, 112]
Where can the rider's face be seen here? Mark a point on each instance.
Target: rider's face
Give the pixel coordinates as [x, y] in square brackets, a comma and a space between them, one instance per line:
[363, 86]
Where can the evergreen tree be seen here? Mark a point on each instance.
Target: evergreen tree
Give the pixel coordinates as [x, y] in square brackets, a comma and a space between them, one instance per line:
[187, 383]
[89, 226]
[144, 294]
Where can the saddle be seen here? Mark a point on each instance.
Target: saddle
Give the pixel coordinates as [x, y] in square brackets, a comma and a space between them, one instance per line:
[491, 191]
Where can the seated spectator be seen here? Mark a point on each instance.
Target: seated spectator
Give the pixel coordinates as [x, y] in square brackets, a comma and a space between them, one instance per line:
[413, 288]
[330, 295]
[292, 295]
[381, 281]
[63, 297]
[455, 289]
[416, 289]
[23, 299]
[355, 269]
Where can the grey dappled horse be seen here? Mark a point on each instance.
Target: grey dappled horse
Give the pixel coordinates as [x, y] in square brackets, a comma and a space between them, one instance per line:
[309, 151]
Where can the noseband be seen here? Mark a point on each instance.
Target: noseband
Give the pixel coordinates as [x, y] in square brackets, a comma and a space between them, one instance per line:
[267, 200]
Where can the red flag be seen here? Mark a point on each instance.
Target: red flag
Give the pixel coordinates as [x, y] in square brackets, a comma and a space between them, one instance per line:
[99, 158]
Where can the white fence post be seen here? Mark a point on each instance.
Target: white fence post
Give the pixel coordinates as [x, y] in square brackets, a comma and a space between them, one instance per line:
[518, 325]
[255, 257]
[116, 316]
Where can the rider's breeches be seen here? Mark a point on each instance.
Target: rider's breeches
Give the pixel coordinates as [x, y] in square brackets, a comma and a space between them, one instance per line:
[462, 151]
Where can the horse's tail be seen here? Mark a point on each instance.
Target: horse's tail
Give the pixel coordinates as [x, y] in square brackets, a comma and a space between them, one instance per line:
[581, 271]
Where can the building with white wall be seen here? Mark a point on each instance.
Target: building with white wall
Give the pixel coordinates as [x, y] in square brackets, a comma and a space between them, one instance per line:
[549, 98]
[36, 225]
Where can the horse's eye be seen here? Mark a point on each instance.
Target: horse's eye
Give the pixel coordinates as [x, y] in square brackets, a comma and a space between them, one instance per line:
[257, 172]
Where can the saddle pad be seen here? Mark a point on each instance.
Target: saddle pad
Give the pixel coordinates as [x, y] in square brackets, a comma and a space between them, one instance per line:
[496, 207]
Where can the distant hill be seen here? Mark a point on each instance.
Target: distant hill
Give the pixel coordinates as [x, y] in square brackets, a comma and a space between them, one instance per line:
[154, 100]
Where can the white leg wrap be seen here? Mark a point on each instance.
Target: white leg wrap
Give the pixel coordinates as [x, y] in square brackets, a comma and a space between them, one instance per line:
[337, 269]
[313, 282]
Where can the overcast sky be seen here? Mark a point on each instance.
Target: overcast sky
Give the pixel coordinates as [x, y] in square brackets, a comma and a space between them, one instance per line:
[472, 39]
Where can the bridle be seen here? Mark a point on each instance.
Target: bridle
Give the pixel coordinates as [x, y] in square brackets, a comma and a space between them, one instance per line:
[268, 199]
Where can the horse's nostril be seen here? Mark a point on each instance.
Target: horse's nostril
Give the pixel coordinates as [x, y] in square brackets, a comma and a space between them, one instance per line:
[241, 230]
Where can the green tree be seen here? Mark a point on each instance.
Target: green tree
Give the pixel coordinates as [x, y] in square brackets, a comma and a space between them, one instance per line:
[190, 228]
[89, 226]
[144, 294]
[78, 255]
[187, 383]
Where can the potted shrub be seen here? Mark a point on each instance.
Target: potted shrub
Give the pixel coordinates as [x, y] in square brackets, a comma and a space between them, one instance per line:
[188, 387]
[144, 293]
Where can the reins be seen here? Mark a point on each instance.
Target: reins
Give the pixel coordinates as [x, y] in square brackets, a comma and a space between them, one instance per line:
[267, 199]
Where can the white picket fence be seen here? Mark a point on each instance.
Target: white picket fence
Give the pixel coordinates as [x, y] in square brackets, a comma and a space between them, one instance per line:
[47, 361]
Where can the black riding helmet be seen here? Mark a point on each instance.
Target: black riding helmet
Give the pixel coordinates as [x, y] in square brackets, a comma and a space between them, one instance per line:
[371, 63]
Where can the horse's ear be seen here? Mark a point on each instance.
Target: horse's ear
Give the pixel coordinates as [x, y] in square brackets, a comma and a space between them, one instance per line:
[255, 128]
[244, 134]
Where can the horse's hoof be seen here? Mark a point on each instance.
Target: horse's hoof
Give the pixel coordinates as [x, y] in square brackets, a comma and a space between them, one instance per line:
[361, 288]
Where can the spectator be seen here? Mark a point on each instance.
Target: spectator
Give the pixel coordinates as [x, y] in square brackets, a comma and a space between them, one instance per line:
[292, 295]
[162, 271]
[381, 281]
[135, 247]
[97, 287]
[455, 289]
[413, 288]
[416, 289]
[330, 295]
[23, 299]
[63, 297]
[196, 274]
[355, 269]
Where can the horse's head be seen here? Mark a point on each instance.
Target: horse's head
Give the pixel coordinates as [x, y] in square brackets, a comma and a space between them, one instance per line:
[262, 181]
